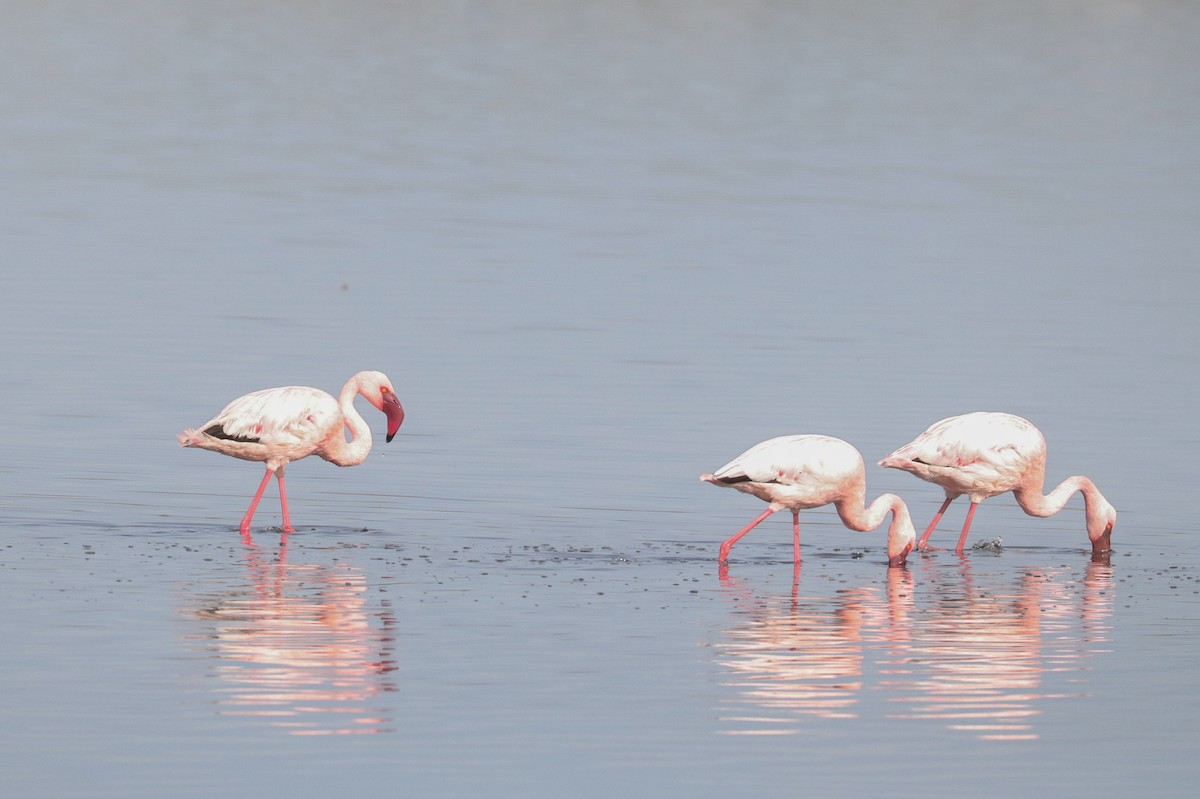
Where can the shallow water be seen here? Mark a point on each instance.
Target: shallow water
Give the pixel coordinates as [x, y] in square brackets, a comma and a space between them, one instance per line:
[599, 250]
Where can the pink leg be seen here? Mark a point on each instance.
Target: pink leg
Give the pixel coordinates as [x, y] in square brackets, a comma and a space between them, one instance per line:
[795, 536]
[962, 539]
[245, 526]
[937, 518]
[287, 520]
[728, 545]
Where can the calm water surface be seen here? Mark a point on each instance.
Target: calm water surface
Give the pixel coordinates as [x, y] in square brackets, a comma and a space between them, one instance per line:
[599, 250]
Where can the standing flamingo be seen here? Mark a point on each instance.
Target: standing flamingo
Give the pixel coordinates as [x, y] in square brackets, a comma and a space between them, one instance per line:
[984, 454]
[797, 472]
[281, 425]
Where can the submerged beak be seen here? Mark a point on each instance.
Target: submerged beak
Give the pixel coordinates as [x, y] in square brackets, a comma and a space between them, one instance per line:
[395, 413]
[1104, 542]
[900, 558]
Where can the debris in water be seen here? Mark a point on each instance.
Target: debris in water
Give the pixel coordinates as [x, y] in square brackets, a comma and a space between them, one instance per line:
[994, 545]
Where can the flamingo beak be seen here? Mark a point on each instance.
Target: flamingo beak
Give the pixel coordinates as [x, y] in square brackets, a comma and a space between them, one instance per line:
[394, 412]
[1103, 543]
[901, 557]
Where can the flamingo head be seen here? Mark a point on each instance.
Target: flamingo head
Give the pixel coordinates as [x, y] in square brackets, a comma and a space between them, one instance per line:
[1101, 518]
[901, 540]
[379, 392]
[901, 557]
[902, 537]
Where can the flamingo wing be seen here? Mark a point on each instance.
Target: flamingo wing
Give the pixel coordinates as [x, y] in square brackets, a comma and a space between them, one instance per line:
[977, 452]
[288, 416]
[800, 460]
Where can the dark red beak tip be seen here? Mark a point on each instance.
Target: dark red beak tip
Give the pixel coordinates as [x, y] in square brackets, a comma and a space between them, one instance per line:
[395, 414]
[901, 558]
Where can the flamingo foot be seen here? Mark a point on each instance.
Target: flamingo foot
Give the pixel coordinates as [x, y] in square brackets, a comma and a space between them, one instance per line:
[287, 517]
[723, 554]
[244, 527]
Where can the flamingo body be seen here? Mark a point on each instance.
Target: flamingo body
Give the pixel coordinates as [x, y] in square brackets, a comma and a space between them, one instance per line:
[807, 471]
[984, 454]
[279, 425]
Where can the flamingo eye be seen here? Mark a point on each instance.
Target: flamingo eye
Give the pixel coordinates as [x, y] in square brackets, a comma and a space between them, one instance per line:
[384, 389]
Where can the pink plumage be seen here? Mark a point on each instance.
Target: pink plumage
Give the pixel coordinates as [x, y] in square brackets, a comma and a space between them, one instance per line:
[983, 454]
[281, 425]
[808, 471]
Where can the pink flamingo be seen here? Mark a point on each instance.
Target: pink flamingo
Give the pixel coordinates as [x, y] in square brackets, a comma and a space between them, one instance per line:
[984, 454]
[798, 472]
[281, 425]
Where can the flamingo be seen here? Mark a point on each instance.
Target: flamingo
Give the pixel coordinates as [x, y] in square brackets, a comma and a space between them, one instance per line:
[281, 425]
[983, 454]
[808, 471]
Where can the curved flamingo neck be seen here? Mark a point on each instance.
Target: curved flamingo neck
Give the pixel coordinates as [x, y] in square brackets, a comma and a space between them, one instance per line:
[857, 516]
[1032, 501]
[354, 451]
[864, 519]
[1099, 513]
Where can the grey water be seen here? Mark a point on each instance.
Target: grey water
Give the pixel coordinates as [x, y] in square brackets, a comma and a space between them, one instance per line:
[599, 249]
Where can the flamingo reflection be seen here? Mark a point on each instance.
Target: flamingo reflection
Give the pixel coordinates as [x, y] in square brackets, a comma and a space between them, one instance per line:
[980, 655]
[298, 645]
[972, 652]
[804, 656]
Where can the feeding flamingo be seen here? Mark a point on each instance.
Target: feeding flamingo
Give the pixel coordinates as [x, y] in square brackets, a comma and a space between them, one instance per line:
[281, 425]
[984, 454]
[808, 471]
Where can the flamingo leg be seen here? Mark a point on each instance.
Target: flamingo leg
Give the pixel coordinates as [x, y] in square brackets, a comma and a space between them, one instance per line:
[287, 519]
[937, 517]
[962, 539]
[728, 544]
[795, 536]
[245, 525]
